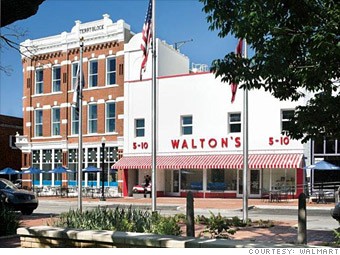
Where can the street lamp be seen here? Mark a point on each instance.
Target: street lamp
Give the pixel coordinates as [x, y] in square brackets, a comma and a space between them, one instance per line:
[102, 176]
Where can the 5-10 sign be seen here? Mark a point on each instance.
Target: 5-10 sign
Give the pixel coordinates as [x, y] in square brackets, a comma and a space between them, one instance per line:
[141, 145]
[283, 140]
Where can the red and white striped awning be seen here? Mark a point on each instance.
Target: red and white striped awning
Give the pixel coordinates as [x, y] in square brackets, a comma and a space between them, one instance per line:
[255, 161]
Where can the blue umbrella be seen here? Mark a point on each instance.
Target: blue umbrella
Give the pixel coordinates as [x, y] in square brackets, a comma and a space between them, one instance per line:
[322, 165]
[32, 170]
[92, 169]
[9, 171]
[60, 170]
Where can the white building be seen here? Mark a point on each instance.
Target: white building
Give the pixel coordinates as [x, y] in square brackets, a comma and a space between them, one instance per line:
[199, 140]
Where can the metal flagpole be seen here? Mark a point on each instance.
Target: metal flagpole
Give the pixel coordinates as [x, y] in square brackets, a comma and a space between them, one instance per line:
[245, 147]
[154, 110]
[80, 132]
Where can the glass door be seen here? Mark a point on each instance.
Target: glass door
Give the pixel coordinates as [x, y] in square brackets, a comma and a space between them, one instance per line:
[254, 186]
[172, 182]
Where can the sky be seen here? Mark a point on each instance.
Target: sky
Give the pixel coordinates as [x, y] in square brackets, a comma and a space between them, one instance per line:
[176, 21]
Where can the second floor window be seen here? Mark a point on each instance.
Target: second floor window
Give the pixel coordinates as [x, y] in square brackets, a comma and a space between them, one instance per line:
[75, 122]
[39, 81]
[286, 115]
[38, 131]
[55, 121]
[93, 73]
[56, 80]
[92, 119]
[234, 122]
[139, 127]
[74, 74]
[111, 71]
[186, 125]
[111, 117]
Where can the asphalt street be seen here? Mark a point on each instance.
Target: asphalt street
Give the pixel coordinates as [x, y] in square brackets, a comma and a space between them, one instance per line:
[317, 219]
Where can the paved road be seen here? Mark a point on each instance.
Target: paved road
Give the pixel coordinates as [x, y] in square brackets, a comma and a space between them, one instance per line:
[317, 219]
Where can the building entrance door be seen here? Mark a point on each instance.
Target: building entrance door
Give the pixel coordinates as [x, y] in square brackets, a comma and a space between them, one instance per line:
[254, 185]
[172, 182]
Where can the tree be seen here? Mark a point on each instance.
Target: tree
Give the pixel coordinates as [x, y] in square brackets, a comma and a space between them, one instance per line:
[11, 11]
[296, 52]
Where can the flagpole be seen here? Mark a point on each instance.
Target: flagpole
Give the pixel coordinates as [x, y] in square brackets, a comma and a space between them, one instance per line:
[245, 147]
[154, 110]
[80, 132]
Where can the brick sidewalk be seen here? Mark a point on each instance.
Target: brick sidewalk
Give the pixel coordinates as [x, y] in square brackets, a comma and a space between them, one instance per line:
[282, 232]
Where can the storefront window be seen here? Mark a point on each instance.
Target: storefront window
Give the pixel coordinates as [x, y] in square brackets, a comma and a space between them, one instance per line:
[266, 180]
[330, 146]
[290, 180]
[46, 166]
[58, 162]
[318, 146]
[216, 180]
[36, 164]
[73, 165]
[192, 179]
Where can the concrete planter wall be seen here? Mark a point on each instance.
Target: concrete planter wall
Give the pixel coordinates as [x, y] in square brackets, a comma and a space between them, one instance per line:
[53, 237]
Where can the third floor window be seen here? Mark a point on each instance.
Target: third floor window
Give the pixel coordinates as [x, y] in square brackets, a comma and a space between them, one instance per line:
[56, 80]
[93, 73]
[111, 71]
[39, 81]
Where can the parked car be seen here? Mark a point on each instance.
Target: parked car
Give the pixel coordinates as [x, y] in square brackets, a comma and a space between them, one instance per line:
[18, 183]
[17, 199]
[140, 189]
[336, 212]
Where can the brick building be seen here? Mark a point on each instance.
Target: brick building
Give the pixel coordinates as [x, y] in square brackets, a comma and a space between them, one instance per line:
[10, 155]
[51, 123]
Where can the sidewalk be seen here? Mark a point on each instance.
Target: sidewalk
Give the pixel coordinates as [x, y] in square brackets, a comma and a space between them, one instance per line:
[283, 231]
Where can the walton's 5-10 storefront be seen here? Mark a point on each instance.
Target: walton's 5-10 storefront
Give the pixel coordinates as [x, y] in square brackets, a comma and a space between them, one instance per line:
[199, 139]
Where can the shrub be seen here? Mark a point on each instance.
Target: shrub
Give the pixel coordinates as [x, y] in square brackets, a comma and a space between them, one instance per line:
[9, 221]
[119, 219]
[217, 226]
[337, 236]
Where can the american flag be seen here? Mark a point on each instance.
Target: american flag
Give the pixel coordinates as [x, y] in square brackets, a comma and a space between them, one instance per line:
[146, 37]
[234, 85]
[77, 89]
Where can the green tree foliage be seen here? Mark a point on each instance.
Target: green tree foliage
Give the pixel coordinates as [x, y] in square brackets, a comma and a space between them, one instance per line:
[296, 52]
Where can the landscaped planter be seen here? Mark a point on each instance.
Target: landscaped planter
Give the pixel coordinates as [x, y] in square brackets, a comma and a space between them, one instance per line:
[53, 237]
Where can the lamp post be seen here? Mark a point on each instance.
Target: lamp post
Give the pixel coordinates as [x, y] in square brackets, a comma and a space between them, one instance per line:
[102, 198]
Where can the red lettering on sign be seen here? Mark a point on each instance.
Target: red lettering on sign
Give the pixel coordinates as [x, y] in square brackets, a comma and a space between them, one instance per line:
[193, 145]
[202, 140]
[224, 142]
[212, 143]
[237, 142]
[185, 144]
[175, 144]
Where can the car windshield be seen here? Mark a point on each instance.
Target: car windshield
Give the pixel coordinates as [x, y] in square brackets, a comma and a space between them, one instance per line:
[6, 184]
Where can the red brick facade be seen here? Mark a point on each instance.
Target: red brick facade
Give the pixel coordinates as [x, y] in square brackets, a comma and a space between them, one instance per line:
[9, 155]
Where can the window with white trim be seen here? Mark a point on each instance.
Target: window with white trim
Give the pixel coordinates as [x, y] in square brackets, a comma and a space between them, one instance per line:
[56, 78]
[92, 119]
[39, 81]
[55, 121]
[38, 123]
[286, 115]
[110, 117]
[234, 122]
[111, 71]
[186, 125]
[75, 121]
[93, 73]
[139, 127]
[74, 74]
